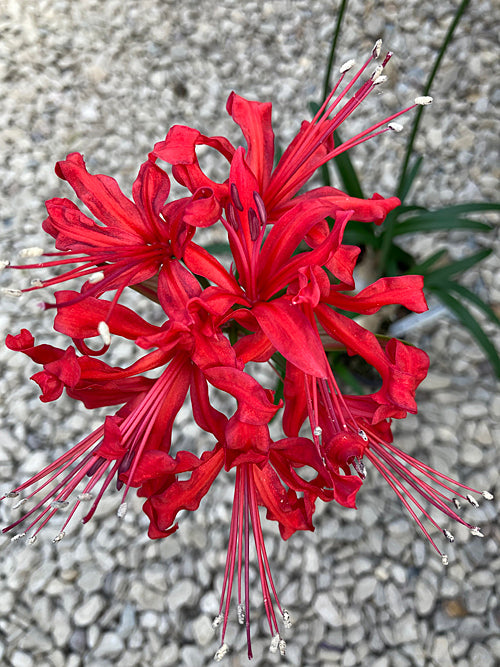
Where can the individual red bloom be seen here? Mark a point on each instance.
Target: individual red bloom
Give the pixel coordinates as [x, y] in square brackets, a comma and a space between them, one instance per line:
[312, 147]
[270, 479]
[132, 239]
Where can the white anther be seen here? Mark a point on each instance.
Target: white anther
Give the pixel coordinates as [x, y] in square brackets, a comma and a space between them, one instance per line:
[12, 494]
[4, 263]
[31, 252]
[363, 435]
[122, 510]
[287, 621]
[85, 497]
[103, 330]
[32, 539]
[217, 621]
[19, 536]
[241, 614]
[448, 535]
[317, 430]
[396, 127]
[380, 79]
[275, 642]
[376, 73]
[472, 500]
[347, 66]
[8, 291]
[59, 504]
[476, 531]
[424, 100]
[58, 537]
[487, 495]
[96, 277]
[457, 503]
[221, 652]
[36, 282]
[377, 48]
[359, 467]
[282, 647]
[444, 559]
[20, 503]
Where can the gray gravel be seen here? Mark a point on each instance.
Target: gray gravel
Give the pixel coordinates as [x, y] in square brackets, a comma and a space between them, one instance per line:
[107, 78]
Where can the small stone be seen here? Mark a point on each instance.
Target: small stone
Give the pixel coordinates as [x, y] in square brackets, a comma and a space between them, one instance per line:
[441, 653]
[202, 630]
[324, 607]
[110, 646]
[181, 594]
[89, 611]
[21, 659]
[480, 655]
[425, 597]
[364, 589]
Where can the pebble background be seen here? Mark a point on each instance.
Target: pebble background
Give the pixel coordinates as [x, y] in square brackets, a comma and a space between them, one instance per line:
[108, 78]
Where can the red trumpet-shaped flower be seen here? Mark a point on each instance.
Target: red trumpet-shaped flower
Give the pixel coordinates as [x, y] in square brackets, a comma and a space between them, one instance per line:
[132, 239]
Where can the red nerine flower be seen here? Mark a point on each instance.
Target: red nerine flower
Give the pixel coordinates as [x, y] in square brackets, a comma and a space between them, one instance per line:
[290, 286]
[132, 239]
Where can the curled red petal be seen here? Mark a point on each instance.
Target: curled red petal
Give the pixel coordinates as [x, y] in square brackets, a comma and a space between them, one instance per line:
[292, 334]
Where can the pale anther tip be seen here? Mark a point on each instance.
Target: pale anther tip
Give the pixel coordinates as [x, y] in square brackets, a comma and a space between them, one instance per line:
[122, 510]
[31, 252]
[424, 100]
[444, 559]
[103, 330]
[58, 537]
[8, 291]
[377, 48]
[275, 641]
[448, 535]
[395, 127]
[476, 531]
[217, 621]
[317, 430]
[4, 263]
[85, 497]
[487, 495]
[96, 277]
[221, 652]
[347, 66]
[17, 537]
[241, 614]
[380, 79]
[472, 500]
[32, 539]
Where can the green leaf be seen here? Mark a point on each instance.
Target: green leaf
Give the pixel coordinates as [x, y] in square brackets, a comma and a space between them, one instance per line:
[470, 323]
[359, 233]
[424, 266]
[466, 293]
[409, 177]
[333, 47]
[218, 247]
[436, 277]
[433, 222]
[416, 122]
[346, 171]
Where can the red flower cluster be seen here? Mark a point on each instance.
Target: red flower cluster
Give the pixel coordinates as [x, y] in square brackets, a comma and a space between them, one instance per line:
[290, 284]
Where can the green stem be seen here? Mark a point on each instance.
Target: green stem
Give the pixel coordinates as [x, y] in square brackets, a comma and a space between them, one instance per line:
[430, 80]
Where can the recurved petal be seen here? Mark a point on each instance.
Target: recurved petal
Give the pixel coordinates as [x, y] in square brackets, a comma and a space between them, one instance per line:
[101, 195]
[292, 334]
[254, 119]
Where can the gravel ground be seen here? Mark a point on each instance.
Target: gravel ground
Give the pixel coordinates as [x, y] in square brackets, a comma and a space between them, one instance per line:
[107, 78]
